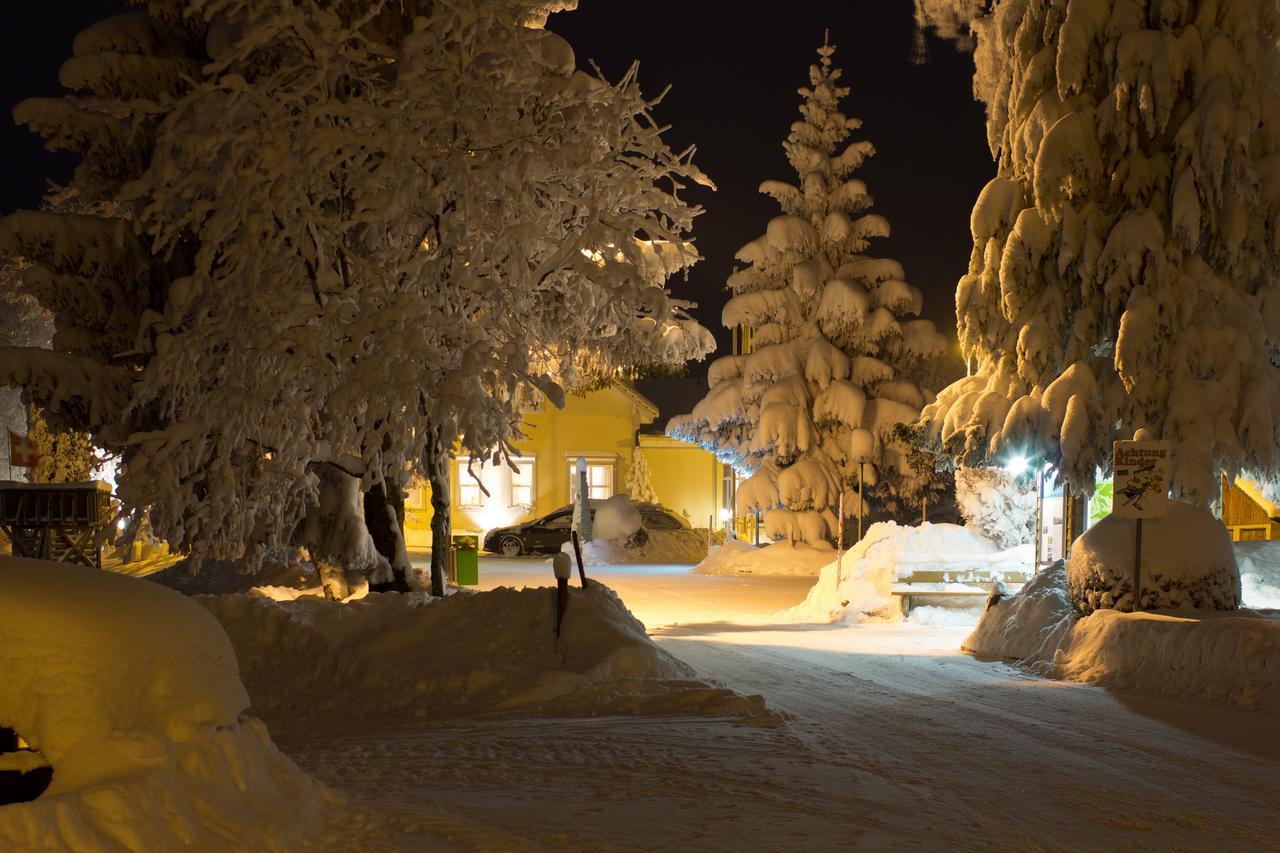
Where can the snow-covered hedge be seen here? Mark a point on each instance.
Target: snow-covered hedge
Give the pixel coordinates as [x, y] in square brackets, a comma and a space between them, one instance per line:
[130, 692]
[1215, 657]
[391, 655]
[1187, 561]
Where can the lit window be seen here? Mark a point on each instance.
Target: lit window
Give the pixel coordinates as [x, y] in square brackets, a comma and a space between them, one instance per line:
[469, 491]
[522, 482]
[599, 480]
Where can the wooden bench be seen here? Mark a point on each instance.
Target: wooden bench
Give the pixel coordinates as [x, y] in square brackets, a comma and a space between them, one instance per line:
[952, 588]
[56, 521]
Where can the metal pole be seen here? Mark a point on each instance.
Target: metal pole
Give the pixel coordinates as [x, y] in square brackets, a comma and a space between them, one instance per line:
[1137, 568]
[1039, 558]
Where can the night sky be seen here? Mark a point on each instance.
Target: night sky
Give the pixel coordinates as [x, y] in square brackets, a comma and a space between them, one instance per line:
[734, 68]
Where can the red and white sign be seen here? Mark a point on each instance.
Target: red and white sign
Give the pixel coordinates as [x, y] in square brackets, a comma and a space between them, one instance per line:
[22, 451]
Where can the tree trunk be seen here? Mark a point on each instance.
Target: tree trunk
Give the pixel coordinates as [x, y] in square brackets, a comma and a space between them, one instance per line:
[435, 458]
[384, 516]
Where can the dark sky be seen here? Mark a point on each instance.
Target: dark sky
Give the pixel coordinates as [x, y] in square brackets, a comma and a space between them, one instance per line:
[734, 68]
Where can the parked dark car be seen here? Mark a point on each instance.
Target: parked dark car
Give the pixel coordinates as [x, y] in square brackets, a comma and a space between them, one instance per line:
[545, 535]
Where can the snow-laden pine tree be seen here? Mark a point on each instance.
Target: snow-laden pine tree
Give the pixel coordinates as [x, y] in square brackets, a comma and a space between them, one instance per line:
[1125, 259]
[640, 479]
[359, 235]
[829, 375]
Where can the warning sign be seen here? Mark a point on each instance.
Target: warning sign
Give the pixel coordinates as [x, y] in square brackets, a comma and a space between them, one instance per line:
[1141, 478]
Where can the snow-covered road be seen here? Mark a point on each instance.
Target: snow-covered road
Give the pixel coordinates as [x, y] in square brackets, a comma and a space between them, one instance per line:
[896, 741]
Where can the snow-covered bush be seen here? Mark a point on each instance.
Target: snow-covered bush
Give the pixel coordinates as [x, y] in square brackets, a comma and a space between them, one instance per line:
[997, 504]
[833, 355]
[640, 478]
[1030, 625]
[130, 692]
[1259, 564]
[1125, 269]
[1187, 562]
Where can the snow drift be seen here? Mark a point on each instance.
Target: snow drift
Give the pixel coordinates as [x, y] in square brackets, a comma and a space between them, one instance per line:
[1259, 564]
[1187, 561]
[655, 546]
[736, 557]
[493, 652]
[130, 692]
[861, 584]
[1191, 655]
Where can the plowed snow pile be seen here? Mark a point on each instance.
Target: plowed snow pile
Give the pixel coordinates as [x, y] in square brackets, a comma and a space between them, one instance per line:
[736, 557]
[494, 652]
[129, 691]
[861, 585]
[658, 546]
[1222, 657]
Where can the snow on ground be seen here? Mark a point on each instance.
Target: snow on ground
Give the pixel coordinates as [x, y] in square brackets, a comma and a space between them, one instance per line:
[1218, 657]
[860, 584]
[658, 546]
[1259, 564]
[130, 692]
[390, 655]
[736, 557]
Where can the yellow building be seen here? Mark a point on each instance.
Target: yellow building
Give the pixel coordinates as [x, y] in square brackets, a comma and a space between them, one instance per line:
[604, 427]
[1247, 512]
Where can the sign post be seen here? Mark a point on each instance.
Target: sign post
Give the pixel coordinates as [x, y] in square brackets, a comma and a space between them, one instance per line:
[1140, 490]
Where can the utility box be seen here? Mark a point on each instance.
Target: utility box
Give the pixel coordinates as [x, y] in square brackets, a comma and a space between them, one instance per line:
[466, 560]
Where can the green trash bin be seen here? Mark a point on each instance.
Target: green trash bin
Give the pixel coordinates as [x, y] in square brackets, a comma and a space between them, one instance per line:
[466, 560]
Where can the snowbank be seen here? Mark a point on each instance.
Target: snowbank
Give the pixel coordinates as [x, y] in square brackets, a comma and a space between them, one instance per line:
[861, 584]
[1187, 561]
[1029, 626]
[656, 546]
[1200, 656]
[476, 653]
[130, 692]
[1259, 564]
[736, 557]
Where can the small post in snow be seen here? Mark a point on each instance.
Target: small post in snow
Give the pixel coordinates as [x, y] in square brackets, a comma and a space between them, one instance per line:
[563, 569]
[577, 552]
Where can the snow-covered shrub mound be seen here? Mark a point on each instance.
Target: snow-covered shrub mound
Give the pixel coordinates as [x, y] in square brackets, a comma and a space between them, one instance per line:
[130, 692]
[391, 655]
[656, 546]
[1028, 626]
[615, 519]
[1220, 658]
[1259, 564]
[861, 584]
[997, 505]
[1187, 561]
[736, 557]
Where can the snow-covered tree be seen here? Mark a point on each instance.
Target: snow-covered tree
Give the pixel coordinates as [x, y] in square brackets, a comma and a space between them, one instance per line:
[1126, 267]
[640, 479]
[360, 235]
[830, 372]
[998, 504]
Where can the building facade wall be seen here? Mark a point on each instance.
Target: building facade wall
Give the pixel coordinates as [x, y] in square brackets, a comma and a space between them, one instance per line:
[601, 426]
